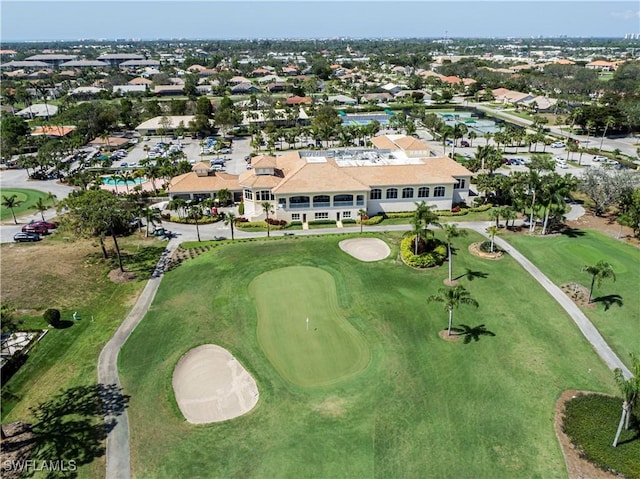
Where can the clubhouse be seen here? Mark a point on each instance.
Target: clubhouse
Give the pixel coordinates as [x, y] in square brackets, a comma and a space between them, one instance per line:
[315, 185]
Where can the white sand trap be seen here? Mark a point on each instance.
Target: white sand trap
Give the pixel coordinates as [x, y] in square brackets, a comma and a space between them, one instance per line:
[212, 386]
[365, 249]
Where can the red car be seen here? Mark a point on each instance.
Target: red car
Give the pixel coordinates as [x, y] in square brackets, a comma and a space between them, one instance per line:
[47, 224]
[35, 228]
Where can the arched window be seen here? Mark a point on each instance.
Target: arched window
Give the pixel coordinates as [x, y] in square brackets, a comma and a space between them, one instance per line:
[376, 194]
[392, 193]
[423, 192]
[438, 191]
[407, 192]
[321, 200]
[343, 200]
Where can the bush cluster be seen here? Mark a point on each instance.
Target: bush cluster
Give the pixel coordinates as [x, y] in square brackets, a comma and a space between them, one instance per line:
[485, 247]
[205, 220]
[52, 317]
[591, 421]
[373, 220]
[348, 222]
[275, 222]
[436, 252]
[322, 222]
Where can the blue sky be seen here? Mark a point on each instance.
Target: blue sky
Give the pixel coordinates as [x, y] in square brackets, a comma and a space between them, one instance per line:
[26, 20]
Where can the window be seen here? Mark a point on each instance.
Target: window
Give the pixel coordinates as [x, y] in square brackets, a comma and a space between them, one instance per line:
[346, 214]
[459, 184]
[360, 200]
[299, 202]
[322, 216]
[282, 202]
[392, 193]
[264, 195]
[438, 191]
[321, 200]
[343, 200]
[407, 192]
[295, 216]
[423, 192]
[376, 194]
[248, 194]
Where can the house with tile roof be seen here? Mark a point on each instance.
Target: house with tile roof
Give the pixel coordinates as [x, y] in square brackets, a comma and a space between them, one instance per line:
[314, 185]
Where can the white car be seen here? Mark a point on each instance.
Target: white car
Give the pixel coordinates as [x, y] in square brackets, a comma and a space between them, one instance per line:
[600, 158]
[557, 144]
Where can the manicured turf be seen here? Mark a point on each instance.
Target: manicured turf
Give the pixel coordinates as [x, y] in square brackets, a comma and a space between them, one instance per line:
[617, 314]
[323, 350]
[27, 198]
[423, 407]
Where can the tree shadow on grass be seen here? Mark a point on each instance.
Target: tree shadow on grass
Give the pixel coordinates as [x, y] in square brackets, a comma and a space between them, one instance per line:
[609, 300]
[71, 426]
[572, 232]
[471, 275]
[472, 334]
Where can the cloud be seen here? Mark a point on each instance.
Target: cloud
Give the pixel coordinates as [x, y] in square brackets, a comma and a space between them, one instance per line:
[627, 15]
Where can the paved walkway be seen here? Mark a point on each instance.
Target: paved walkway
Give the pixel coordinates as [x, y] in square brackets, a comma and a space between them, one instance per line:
[117, 453]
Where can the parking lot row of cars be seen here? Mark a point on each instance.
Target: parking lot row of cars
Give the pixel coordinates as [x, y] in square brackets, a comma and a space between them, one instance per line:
[34, 231]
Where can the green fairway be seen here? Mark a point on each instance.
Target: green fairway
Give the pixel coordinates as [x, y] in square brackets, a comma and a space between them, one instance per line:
[27, 199]
[422, 407]
[617, 311]
[301, 329]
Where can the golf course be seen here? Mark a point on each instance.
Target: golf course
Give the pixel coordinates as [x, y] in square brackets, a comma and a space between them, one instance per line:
[374, 391]
[25, 201]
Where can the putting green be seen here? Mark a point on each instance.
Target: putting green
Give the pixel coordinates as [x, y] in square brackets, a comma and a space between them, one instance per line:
[330, 350]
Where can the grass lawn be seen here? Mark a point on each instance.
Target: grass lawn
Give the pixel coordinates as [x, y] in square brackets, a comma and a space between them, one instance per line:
[617, 311]
[27, 198]
[70, 277]
[421, 407]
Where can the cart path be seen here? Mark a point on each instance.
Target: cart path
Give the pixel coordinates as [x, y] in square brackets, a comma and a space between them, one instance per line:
[117, 451]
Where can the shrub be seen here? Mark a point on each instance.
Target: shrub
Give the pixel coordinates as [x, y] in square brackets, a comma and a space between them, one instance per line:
[436, 252]
[275, 222]
[485, 247]
[348, 222]
[401, 214]
[205, 220]
[374, 220]
[241, 208]
[322, 222]
[241, 219]
[590, 421]
[52, 317]
[295, 223]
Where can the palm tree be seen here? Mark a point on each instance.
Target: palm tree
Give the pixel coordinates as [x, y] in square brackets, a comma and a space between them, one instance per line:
[609, 121]
[630, 389]
[267, 207]
[152, 215]
[195, 214]
[230, 220]
[178, 205]
[41, 207]
[451, 231]
[509, 213]
[362, 213]
[51, 197]
[224, 196]
[599, 272]
[11, 202]
[452, 298]
[492, 230]
[495, 214]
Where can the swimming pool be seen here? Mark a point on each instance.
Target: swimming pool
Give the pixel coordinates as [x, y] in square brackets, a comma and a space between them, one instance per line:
[110, 181]
[364, 119]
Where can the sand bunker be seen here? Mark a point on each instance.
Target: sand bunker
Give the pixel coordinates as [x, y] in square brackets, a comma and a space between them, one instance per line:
[365, 249]
[212, 386]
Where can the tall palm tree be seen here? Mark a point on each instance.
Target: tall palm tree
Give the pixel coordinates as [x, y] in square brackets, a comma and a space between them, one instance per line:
[362, 213]
[230, 219]
[492, 230]
[178, 205]
[630, 389]
[51, 197]
[452, 298]
[451, 231]
[195, 214]
[599, 272]
[11, 202]
[609, 121]
[267, 207]
[41, 207]
[509, 213]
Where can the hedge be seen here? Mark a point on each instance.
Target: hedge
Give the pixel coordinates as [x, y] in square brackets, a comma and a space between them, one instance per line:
[349, 222]
[322, 222]
[373, 220]
[426, 260]
[257, 224]
[205, 220]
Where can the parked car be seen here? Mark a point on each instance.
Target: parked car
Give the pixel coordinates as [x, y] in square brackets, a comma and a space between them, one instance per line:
[557, 144]
[464, 143]
[600, 158]
[26, 237]
[47, 224]
[35, 228]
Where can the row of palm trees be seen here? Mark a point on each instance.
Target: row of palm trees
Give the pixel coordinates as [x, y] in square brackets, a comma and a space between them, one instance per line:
[41, 205]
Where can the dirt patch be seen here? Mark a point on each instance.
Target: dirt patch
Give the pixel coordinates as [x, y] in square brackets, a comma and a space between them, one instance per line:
[474, 249]
[606, 224]
[578, 294]
[15, 448]
[577, 467]
[449, 337]
[332, 407]
[117, 276]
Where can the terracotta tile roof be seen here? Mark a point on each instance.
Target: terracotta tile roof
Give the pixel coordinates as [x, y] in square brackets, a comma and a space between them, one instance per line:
[383, 143]
[190, 182]
[201, 165]
[59, 131]
[297, 100]
[140, 81]
[319, 178]
[407, 143]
